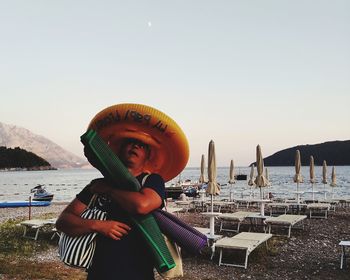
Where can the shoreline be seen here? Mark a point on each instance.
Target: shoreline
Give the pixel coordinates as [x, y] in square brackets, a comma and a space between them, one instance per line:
[23, 212]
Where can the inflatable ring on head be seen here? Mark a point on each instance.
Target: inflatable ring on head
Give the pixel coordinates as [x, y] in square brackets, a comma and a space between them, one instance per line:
[169, 149]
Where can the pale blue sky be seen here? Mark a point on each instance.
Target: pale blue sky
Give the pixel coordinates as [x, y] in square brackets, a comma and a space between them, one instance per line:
[274, 73]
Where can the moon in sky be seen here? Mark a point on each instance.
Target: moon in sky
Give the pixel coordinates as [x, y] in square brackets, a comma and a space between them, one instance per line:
[149, 24]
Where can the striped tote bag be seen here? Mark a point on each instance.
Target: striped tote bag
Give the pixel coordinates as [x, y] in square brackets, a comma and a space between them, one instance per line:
[78, 251]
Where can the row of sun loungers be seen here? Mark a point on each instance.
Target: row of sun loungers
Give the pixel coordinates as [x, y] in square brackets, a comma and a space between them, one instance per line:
[244, 241]
[286, 220]
[315, 210]
[272, 225]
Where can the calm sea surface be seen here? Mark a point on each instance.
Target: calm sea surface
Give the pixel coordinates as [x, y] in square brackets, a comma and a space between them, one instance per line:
[65, 184]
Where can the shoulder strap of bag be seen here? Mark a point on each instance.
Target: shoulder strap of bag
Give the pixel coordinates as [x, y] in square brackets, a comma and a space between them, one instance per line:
[144, 179]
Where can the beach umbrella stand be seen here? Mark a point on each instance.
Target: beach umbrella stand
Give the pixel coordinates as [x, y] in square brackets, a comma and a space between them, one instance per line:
[260, 180]
[213, 188]
[324, 178]
[251, 182]
[333, 184]
[312, 176]
[298, 177]
[232, 179]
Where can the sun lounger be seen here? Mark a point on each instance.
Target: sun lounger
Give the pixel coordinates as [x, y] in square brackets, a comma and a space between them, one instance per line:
[285, 220]
[238, 217]
[321, 208]
[247, 241]
[333, 202]
[219, 205]
[278, 207]
[343, 256]
[174, 210]
[186, 205]
[211, 239]
[35, 225]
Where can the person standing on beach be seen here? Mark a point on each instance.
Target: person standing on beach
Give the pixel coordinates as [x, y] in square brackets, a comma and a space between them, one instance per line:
[120, 252]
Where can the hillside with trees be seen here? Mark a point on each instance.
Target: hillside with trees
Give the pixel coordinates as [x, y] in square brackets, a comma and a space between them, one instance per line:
[334, 153]
[12, 158]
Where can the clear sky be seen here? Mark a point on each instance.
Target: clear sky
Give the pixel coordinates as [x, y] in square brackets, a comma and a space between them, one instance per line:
[274, 72]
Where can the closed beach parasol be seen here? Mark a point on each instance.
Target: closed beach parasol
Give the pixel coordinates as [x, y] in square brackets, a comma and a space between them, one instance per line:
[251, 179]
[312, 175]
[213, 188]
[267, 176]
[201, 178]
[333, 184]
[298, 178]
[324, 177]
[268, 182]
[260, 180]
[232, 177]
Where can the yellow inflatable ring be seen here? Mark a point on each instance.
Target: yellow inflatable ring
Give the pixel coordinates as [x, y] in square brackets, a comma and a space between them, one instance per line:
[169, 146]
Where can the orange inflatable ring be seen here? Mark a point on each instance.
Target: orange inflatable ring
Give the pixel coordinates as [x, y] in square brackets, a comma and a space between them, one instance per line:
[169, 146]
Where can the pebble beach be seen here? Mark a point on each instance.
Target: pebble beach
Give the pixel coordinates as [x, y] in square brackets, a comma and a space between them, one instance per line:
[310, 253]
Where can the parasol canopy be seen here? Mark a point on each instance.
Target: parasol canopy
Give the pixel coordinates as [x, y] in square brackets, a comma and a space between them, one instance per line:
[298, 178]
[324, 177]
[334, 179]
[267, 176]
[312, 176]
[260, 180]
[251, 176]
[324, 172]
[232, 173]
[213, 188]
[202, 178]
[312, 170]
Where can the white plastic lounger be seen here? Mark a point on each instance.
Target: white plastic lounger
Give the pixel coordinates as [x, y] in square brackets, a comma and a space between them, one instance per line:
[278, 206]
[211, 239]
[344, 255]
[238, 217]
[246, 241]
[35, 225]
[285, 220]
[319, 208]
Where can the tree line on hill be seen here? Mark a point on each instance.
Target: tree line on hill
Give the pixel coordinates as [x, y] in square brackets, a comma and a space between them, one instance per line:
[19, 158]
[334, 153]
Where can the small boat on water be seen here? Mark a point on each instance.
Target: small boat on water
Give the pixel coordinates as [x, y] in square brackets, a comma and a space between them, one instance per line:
[41, 194]
[241, 177]
[23, 203]
[173, 191]
[187, 187]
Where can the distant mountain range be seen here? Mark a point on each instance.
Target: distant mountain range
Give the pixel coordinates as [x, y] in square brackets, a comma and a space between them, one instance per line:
[334, 153]
[12, 136]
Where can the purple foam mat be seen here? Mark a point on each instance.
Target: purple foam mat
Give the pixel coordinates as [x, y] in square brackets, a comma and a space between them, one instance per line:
[183, 234]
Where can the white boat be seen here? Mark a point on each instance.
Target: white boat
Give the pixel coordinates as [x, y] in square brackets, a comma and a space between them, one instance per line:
[41, 194]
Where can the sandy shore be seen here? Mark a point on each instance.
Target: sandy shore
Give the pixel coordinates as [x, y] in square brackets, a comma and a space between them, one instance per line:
[310, 253]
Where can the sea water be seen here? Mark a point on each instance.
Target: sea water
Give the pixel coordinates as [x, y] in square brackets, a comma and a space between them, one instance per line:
[66, 183]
